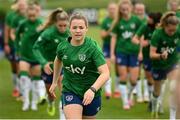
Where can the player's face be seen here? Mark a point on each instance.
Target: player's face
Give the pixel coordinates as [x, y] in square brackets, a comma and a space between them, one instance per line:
[112, 9]
[170, 29]
[78, 29]
[125, 9]
[174, 6]
[62, 25]
[139, 10]
[22, 6]
[32, 14]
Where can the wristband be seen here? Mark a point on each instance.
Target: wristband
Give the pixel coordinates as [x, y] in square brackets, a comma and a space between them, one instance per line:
[92, 89]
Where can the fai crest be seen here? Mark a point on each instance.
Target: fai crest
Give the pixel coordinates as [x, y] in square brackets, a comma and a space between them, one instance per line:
[69, 98]
[82, 57]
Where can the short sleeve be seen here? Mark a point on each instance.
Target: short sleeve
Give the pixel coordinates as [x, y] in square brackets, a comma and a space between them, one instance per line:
[115, 29]
[7, 19]
[141, 30]
[98, 56]
[155, 39]
[103, 25]
[59, 51]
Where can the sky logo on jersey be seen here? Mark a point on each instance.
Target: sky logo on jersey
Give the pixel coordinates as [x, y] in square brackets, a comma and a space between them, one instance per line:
[127, 35]
[82, 57]
[77, 70]
[170, 50]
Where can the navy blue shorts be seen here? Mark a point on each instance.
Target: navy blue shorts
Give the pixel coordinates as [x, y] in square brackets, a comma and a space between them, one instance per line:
[178, 49]
[12, 55]
[48, 78]
[106, 51]
[159, 74]
[147, 64]
[88, 110]
[127, 60]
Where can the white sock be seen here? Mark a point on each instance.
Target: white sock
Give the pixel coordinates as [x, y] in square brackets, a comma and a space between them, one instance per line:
[41, 89]
[172, 103]
[163, 86]
[25, 83]
[139, 88]
[151, 89]
[146, 92]
[108, 86]
[61, 112]
[34, 92]
[116, 84]
[124, 93]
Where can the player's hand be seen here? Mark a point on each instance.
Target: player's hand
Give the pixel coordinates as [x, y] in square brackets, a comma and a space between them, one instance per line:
[47, 68]
[88, 97]
[113, 58]
[164, 55]
[7, 49]
[145, 43]
[52, 90]
[140, 56]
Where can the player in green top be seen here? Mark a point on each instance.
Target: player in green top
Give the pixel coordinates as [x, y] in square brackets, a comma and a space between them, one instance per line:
[139, 10]
[20, 16]
[9, 47]
[164, 57]
[173, 6]
[55, 31]
[143, 37]
[26, 35]
[85, 72]
[124, 27]
[105, 35]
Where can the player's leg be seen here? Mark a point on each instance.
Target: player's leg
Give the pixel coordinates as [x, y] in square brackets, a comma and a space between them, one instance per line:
[116, 93]
[107, 86]
[38, 87]
[123, 73]
[50, 99]
[138, 88]
[134, 75]
[172, 77]
[25, 83]
[14, 66]
[72, 106]
[158, 76]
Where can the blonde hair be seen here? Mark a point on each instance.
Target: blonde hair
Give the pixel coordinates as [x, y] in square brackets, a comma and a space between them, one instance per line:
[78, 16]
[118, 13]
[169, 18]
[56, 15]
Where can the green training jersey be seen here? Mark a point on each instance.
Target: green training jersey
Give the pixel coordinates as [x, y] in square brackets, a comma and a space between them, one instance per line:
[106, 24]
[80, 65]
[26, 35]
[8, 21]
[45, 46]
[147, 32]
[125, 30]
[17, 19]
[163, 42]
